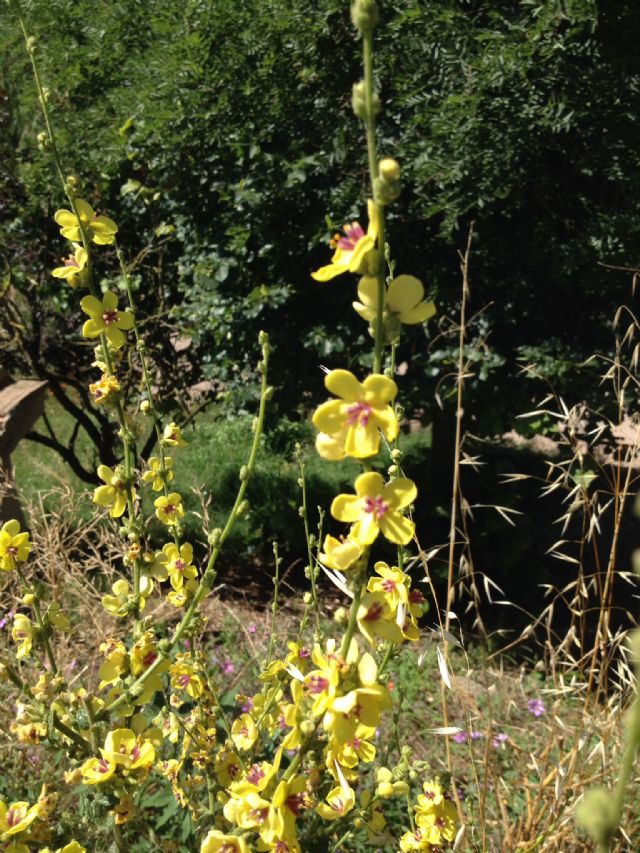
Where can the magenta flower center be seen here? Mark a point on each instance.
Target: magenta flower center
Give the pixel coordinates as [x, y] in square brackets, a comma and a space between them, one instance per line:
[255, 774]
[109, 317]
[294, 803]
[352, 233]
[359, 413]
[388, 586]
[71, 262]
[374, 612]
[183, 680]
[376, 505]
[317, 684]
[180, 565]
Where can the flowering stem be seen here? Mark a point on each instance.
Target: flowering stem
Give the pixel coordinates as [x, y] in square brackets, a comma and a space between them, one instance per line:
[208, 577]
[373, 173]
[311, 564]
[274, 603]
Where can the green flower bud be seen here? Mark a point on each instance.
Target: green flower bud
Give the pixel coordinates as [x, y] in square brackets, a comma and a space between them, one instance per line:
[365, 16]
[359, 101]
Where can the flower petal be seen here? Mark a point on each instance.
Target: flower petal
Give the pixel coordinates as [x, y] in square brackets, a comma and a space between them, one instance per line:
[369, 484]
[342, 383]
[405, 291]
[401, 492]
[379, 389]
[396, 528]
[92, 306]
[347, 508]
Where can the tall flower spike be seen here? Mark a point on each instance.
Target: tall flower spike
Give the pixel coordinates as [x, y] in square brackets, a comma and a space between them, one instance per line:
[100, 229]
[361, 411]
[375, 507]
[352, 248]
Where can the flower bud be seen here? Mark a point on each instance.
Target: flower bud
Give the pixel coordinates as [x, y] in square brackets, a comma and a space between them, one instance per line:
[389, 170]
[307, 727]
[28, 599]
[145, 407]
[359, 101]
[31, 44]
[307, 598]
[365, 16]
[341, 616]
[43, 140]
[214, 537]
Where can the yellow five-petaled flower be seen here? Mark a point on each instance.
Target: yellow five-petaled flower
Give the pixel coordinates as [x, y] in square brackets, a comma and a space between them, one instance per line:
[361, 411]
[352, 248]
[375, 507]
[14, 545]
[104, 317]
[100, 229]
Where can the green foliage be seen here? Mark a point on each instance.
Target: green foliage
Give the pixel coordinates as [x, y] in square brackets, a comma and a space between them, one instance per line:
[222, 137]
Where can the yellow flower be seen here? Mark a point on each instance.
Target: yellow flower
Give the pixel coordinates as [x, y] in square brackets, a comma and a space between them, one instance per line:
[105, 390]
[361, 411]
[169, 508]
[247, 812]
[218, 841]
[404, 303]
[352, 248]
[16, 818]
[377, 619]
[438, 823]
[155, 475]
[375, 507]
[288, 800]
[244, 732]
[71, 847]
[14, 546]
[184, 677]
[172, 436]
[228, 768]
[115, 663]
[356, 749]
[361, 706]
[22, 634]
[114, 494]
[73, 267]
[100, 229]
[123, 748]
[95, 771]
[392, 582]
[339, 801]
[178, 564]
[340, 554]
[118, 603]
[104, 317]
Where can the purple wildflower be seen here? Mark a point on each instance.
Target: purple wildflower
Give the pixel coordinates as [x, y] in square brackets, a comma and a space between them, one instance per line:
[537, 707]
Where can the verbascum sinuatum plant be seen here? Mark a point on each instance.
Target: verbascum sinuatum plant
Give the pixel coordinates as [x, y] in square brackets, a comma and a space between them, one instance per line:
[299, 765]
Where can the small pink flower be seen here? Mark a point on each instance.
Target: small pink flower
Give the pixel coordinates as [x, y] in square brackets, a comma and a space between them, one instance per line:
[499, 740]
[228, 667]
[537, 707]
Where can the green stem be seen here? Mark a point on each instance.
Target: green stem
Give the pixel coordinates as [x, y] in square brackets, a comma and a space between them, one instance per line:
[274, 603]
[311, 563]
[79, 741]
[44, 633]
[373, 174]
